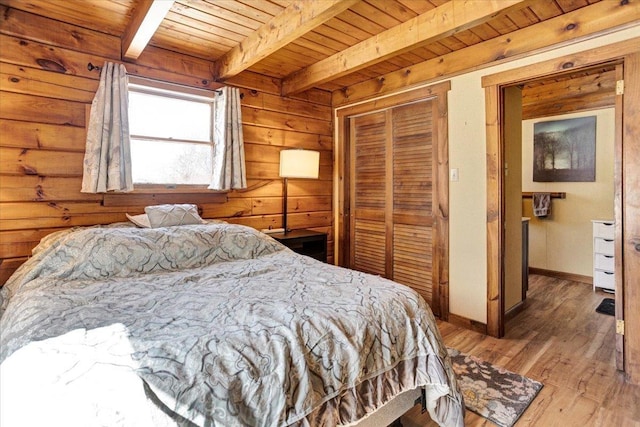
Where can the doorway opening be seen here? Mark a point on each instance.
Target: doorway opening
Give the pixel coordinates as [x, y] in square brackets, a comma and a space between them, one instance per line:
[624, 57]
[559, 136]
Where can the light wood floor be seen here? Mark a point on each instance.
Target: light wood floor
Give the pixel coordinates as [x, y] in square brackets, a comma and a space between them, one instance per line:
[562, 342]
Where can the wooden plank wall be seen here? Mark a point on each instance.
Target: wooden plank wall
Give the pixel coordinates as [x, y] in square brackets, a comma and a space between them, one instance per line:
[45, 91]
[569, 95]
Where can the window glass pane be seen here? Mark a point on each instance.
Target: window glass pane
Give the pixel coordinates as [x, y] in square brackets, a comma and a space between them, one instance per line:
[160, 162]
[166, 117]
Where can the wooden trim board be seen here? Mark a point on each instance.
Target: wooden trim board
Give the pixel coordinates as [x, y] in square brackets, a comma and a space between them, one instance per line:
[562, 275]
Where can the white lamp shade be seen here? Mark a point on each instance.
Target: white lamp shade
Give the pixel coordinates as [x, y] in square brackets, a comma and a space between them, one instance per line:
[299, 163]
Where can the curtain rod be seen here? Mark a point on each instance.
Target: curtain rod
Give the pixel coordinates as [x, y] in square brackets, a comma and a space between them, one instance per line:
[92, 67]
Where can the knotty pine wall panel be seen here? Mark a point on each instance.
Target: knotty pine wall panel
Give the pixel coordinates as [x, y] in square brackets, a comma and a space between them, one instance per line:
[45, 89]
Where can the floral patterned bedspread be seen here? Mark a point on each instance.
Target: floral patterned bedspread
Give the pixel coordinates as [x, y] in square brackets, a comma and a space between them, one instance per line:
[210, 325]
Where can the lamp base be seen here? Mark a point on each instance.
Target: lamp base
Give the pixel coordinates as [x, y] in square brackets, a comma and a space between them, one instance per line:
[285, 184]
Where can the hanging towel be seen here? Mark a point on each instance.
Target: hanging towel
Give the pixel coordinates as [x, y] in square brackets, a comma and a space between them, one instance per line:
[541, 204]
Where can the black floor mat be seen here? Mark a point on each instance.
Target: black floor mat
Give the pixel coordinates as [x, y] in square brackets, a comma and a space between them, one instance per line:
[607, 306]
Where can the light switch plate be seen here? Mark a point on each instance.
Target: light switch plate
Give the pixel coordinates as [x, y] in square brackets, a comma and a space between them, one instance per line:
[454, 175]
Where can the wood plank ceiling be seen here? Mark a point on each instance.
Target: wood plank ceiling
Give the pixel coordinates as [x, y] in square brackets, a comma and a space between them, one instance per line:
[328, 44]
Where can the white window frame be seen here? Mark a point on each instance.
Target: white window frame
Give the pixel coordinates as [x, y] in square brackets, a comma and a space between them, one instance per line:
[170, 90]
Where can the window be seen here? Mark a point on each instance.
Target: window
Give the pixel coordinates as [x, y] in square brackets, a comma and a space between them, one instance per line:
[171, 134]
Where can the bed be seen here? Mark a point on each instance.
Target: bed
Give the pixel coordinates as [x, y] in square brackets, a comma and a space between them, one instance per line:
[210, 325]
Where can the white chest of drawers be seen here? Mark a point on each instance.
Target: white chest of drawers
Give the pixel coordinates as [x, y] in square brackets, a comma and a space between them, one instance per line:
[603, 255]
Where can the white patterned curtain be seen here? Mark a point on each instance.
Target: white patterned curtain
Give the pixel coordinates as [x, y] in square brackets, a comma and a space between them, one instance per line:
[228, 153]
[107, 157]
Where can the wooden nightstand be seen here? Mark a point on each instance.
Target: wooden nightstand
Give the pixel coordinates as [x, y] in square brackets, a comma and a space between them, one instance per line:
[305, 242]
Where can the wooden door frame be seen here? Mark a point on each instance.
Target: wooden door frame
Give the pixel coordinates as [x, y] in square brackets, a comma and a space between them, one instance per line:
[441, 208]
[627, 204]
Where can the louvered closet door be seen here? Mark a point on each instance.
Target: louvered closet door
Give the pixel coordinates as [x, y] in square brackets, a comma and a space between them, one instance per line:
[368, 190]
[413, 197]
[392, 194]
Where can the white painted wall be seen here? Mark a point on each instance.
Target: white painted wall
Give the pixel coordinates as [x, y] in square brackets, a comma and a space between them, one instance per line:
[563, 242]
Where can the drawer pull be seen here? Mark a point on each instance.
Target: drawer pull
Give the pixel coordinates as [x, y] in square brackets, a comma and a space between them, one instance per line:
[608, 240]
[608, 273]
[608, 256]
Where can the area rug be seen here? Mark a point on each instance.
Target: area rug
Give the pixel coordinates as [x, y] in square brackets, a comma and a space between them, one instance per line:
[607, 306]
[492, 392]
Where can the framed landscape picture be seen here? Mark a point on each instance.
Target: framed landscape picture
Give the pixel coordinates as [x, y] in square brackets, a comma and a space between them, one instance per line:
[565, 150]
